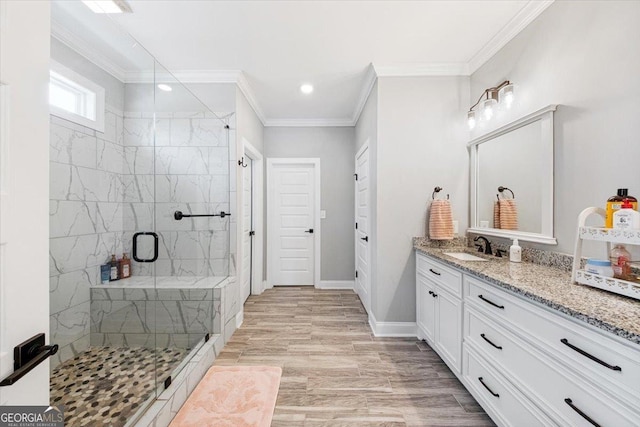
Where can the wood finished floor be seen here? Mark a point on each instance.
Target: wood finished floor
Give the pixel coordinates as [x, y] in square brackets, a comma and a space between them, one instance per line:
[335, 373]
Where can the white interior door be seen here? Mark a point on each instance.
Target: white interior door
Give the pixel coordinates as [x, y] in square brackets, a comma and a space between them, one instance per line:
[247, 228]
[24, 194]
[293, 233]
[363, 225]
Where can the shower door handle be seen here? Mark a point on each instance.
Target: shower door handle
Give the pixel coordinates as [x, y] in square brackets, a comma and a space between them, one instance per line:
[155, 246]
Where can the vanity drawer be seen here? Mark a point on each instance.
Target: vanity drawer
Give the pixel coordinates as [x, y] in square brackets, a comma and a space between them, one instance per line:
[444, 276]
[547, 382]
[600, 360]
[506, 405]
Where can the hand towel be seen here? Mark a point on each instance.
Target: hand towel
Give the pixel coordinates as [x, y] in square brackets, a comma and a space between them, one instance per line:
[440, 220]
[496, 214]
[508, 214]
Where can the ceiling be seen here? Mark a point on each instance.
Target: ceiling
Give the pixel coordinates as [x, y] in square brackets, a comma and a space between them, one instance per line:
[278, 45]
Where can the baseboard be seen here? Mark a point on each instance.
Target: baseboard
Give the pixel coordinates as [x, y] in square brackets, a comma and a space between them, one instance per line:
[239, 318]
[337, 284]
[392, 329]
[266, 285]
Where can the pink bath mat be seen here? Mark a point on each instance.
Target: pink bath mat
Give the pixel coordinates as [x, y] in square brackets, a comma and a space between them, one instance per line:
[232, 396]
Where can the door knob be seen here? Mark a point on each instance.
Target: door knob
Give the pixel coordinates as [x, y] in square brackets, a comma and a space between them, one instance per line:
[310, 231]
[365, 238]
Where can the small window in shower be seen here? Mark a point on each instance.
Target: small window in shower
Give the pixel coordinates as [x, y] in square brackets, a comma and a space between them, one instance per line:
[76, 98]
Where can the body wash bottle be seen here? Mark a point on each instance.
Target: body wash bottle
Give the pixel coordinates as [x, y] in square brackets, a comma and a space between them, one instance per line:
[515, 252]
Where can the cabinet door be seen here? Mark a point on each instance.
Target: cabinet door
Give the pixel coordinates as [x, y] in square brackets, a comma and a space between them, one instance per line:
[425, 308]
[449, 329]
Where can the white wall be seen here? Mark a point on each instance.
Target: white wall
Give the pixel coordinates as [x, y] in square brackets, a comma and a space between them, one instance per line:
[334, 147]
[24, 180]
[583, 56]
[421, 144]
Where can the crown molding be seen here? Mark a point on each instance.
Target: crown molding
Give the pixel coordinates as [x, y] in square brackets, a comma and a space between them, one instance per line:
[370, 79]
[245, 88]
[81, 47]
[423, 70]
[309, 123]
[518, 23]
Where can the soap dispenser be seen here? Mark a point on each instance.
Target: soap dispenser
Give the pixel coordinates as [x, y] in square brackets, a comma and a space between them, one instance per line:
[515, 252]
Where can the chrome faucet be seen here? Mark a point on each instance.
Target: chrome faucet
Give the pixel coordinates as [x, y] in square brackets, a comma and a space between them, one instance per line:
[487, 245]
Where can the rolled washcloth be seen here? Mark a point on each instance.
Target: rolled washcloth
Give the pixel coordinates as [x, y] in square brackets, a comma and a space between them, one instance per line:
[508, 212]
[440, 220]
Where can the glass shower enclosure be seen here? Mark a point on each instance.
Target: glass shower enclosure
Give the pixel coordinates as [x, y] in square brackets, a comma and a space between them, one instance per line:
[150, 188]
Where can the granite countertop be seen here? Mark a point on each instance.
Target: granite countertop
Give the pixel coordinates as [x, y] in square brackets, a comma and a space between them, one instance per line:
[551, 286]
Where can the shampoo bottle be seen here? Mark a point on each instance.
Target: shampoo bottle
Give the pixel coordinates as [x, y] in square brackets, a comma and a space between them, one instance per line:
[114, 270]
[515, 252]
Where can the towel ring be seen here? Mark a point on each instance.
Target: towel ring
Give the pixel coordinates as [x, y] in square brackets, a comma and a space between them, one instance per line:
[437, 190]
[501, 189]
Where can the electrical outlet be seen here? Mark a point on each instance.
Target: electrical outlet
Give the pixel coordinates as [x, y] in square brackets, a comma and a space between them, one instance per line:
[455, 227]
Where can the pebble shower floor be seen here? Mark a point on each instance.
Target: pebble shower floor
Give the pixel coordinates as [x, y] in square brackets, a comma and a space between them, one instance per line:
[107, 385]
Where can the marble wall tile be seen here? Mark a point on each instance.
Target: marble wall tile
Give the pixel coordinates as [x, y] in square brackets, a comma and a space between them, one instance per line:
[70, 325]
[72, 147]
[198, 132]
[139, 160]
[138, 216]
[185, 188]
[137, 132]
[218, 163]
[70, 289]
[183, 160]
[110, 156]
[138, 188]
[71, 218]
[106, 294]
[69, 254]
[110, 127]
[119, 317]
[70, 182]
[109, 217]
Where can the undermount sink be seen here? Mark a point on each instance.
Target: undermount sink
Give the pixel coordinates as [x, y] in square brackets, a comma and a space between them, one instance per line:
[463, 256]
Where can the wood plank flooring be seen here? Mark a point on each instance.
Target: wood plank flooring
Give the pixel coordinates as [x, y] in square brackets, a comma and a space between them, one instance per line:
[335, 373]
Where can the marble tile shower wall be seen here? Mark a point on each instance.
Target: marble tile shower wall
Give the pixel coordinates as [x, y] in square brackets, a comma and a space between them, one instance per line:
[86, 222]
[191, 165]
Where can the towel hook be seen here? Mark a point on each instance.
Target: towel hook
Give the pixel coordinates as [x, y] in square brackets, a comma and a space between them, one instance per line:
[241, 163]
[502, 189]
[437, 190]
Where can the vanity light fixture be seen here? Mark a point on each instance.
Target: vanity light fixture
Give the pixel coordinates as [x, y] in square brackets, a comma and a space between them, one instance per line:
[503, 94]
[108, 6]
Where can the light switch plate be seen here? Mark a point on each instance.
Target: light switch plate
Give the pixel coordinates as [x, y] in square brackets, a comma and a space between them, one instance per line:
[323, 214]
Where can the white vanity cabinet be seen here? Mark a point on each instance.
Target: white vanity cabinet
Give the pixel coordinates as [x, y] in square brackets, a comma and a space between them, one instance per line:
[525, 363]
[439, 309]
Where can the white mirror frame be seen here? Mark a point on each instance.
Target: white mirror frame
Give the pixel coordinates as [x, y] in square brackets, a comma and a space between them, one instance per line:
[545, 117]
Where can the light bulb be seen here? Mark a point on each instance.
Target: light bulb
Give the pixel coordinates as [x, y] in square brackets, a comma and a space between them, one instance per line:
[506, 95]
[471, 119]
[488, 107]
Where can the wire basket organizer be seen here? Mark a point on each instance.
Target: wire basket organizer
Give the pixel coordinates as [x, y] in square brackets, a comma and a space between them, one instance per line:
[608, 236]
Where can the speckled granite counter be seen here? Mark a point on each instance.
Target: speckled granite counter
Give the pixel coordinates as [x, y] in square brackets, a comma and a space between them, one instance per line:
[552, 287]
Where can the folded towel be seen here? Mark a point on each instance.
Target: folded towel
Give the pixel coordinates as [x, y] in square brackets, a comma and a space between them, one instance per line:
[496, 214]
[440, 220]
[508, 214]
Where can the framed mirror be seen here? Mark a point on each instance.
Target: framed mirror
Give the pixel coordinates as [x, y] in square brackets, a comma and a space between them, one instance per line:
[512, 180]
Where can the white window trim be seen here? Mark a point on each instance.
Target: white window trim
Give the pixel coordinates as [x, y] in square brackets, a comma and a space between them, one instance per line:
[98, 123]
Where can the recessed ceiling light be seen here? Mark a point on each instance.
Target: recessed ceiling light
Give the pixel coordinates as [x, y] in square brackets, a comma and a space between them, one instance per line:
[306, 88]
[165, 87]
[108, 6]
